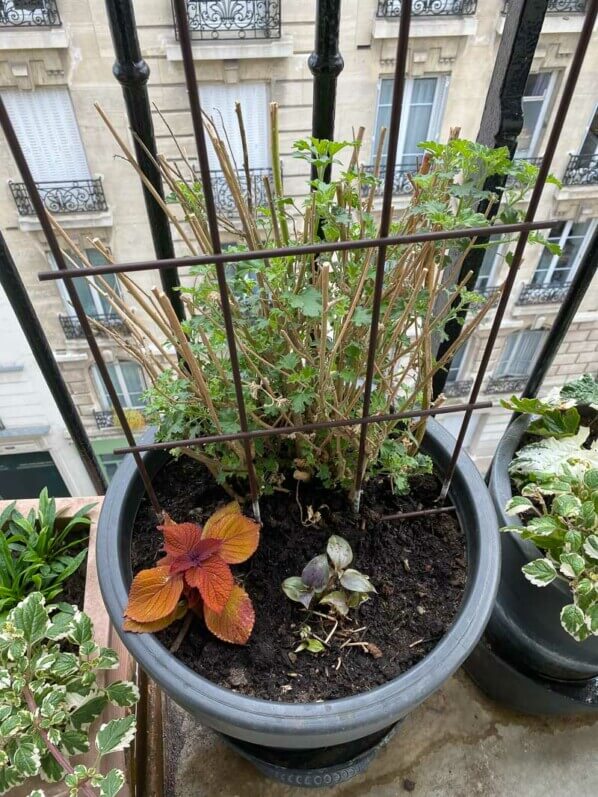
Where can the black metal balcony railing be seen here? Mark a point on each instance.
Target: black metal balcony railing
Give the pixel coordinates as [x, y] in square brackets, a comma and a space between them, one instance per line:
[506, 384]
[29, 14]
[64, 196]
[581, 170]
[234, 19]
[460, 387]
[429, 8]
[104, 418]
[559, 7]
[72, 328]
[222, 195]
[543, 294]
[402, 183]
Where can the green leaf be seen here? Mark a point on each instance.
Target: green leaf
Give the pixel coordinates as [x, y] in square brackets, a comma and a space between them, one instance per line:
[297, 591]
[82, 629]
[52, 771]
[572, 565]
[37, 793]
[566, 506]
[590, 479]
[316, 573]
[590, 546]
[573, 541]
[338, 601]
[551, 455]
[31, 617]
[111, 783]
[75, 741]
[574, 622]
[123, 693]
[339, 551]
[592, 619]
[308, 301]
[355, 581]
[517, 505]
[27, 759]
[556, 423]
[115, 735]
[88, 711]
[583, 391]
[540, 572]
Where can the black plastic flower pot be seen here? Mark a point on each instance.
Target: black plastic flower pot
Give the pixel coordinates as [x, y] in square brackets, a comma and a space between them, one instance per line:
[309, 744]
[526, 659]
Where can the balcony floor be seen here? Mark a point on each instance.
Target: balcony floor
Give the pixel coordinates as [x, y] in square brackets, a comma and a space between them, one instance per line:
[456, 743]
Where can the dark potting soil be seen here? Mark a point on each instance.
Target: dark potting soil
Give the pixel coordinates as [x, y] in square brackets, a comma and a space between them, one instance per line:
[418, 567]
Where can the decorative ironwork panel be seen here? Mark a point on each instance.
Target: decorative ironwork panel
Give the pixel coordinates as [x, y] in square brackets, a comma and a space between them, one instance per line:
[402, 183]
[234, 19]
[543, 294]
[559, 7]
[65, 196]
[429, 8]
[222, 195]
[29, 14]
[458, 388]
[506, 384]
[582, 170]
[72, 328]
[104, 419]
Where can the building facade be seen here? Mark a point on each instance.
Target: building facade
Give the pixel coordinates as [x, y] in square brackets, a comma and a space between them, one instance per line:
[56, 60]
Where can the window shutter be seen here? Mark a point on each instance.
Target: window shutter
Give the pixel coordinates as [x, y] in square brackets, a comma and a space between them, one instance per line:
[218, 101]
[46, 125]
[502, 368]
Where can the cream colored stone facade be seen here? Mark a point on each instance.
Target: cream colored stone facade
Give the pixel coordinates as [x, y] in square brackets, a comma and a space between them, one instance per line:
[78, 55]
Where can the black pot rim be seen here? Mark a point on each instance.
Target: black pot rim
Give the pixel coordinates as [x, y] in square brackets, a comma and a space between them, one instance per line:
[305, 725]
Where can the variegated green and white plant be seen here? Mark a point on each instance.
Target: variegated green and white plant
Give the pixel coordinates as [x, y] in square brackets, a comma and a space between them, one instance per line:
[557, 478]
[50, 696]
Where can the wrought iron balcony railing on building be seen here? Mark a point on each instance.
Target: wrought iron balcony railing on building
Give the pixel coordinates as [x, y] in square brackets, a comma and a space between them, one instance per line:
[429, 8]
[402, 183]
[222, 195]
[104, 419]
[506, 384]
[29, 14]
[582, 170]
[460, 387]
[63, 196]
[559, 7]
[211, 20]
[543, 294]
[72, 328]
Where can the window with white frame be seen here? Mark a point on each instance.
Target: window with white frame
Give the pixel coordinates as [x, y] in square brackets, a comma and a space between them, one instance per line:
[129, 382]
[46, 126]
[488, 273]
[452, 375]
[90, 292]
[535, 103]
[421, 116]
[520, 352]
[590, 142]
[573, 239]
[218, 101]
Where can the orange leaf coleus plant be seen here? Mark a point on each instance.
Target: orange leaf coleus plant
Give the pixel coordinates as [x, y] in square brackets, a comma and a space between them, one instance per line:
[195, 574]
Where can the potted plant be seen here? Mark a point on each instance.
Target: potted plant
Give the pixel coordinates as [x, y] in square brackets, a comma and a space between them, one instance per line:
[46, 580]
[377, 621]
[540, 651]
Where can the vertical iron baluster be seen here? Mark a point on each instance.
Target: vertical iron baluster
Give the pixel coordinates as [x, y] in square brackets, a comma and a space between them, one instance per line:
[180, 8]
[13, 286]
[56, 251]
[132, 72]
[518, 41]
[551, 145]
[325, 63]
[391, 157]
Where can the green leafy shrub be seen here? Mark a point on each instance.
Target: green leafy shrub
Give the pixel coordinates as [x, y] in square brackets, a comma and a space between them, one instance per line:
[557, 478]
[49, 697]
[36, 554]
[302, 323]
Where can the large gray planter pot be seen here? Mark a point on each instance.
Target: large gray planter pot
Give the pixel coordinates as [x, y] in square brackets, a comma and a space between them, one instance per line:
[526, 659]
[333, 739]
